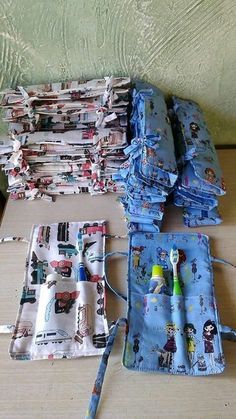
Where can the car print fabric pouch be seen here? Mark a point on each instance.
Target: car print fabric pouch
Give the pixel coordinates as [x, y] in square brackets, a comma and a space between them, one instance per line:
[62, 307]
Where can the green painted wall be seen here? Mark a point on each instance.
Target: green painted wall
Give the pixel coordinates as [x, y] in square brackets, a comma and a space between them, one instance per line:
[184, 46]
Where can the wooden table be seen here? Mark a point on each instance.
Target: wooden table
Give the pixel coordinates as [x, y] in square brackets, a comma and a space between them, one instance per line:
[61, 388]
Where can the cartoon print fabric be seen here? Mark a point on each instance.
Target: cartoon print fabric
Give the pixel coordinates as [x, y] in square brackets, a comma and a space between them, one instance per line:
[74, 137]
[61, 316]
[177, 334]
[151, 171]
[200, 179]
[65, 138]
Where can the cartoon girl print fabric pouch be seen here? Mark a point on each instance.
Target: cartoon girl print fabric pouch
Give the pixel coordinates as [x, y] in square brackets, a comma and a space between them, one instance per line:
[151, 124]
[169, 332]
[200, 173]
[62, 307]
[151, 171]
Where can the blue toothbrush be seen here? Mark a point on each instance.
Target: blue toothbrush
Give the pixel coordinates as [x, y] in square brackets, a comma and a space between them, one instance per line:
[82, 273]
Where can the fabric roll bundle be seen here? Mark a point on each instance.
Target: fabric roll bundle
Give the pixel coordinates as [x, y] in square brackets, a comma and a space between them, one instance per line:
[151, 171]
[65, 138]
[200, 180]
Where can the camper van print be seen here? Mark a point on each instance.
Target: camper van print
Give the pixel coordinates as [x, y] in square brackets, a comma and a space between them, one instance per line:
[44, 237]
[51, 336]
[63, 232]
[85, 327]
[67, 250]
[38, 274]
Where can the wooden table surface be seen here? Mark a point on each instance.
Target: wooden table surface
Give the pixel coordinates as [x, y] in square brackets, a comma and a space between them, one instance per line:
[61, 388]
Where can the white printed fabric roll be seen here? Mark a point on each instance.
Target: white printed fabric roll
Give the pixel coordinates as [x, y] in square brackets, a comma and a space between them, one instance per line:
[61, 316]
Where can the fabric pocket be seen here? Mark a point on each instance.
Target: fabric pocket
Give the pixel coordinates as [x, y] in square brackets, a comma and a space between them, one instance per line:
[69, 323]
[173, 334]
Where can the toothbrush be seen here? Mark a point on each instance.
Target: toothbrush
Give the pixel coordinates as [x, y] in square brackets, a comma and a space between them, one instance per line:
[82, 273]
[174, 259]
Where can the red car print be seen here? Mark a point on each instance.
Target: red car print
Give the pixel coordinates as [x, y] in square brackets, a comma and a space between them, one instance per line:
[62, 267]
[93, 228]
[65, 300]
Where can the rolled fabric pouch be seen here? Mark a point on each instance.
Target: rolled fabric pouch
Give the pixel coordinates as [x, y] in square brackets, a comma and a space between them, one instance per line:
[184, 201]
[155, 227]
[145, 208]
[158, 162]
[135, 180]
[195, 217]
[193, 194]
[151, 122]
[150, 116]
[140, 219]
[191, 180]
[198, 143]
[181, 202]
[145, 194]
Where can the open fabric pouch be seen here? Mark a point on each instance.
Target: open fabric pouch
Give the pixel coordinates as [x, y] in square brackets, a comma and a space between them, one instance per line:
[166, 333]
[62, 307]
[177, 334]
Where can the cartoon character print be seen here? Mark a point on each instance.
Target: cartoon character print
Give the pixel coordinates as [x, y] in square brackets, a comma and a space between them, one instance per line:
[190, 331]
[166, 355]
[201, 363]
[194, 270]
[209, 332]
[194, 128]
[136, 252]
[210, 175]
[202, 305]
[136, 350]
[161, 257]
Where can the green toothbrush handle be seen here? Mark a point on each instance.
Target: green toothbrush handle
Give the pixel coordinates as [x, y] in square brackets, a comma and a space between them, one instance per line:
[177, 288]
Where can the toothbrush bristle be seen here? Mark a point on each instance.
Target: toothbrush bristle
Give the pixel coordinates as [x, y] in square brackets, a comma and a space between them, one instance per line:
[174, 247]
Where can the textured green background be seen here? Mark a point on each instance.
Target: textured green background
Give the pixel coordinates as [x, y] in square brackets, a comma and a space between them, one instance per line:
[183, 46]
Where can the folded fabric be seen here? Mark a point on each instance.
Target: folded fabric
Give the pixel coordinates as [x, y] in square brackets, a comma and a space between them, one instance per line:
[151, 171]
[200, 179]
[62, 128]
[200, 217]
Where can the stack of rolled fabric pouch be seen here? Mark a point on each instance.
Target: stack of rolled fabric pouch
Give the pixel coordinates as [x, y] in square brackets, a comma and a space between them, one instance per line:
[200, 180]
[65, 138]
[150, 173]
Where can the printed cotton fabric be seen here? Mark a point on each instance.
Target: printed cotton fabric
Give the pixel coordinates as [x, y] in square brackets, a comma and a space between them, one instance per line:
[151, 171]
[65, 138]
[200, 179]
[61, 316]
[176, 334]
